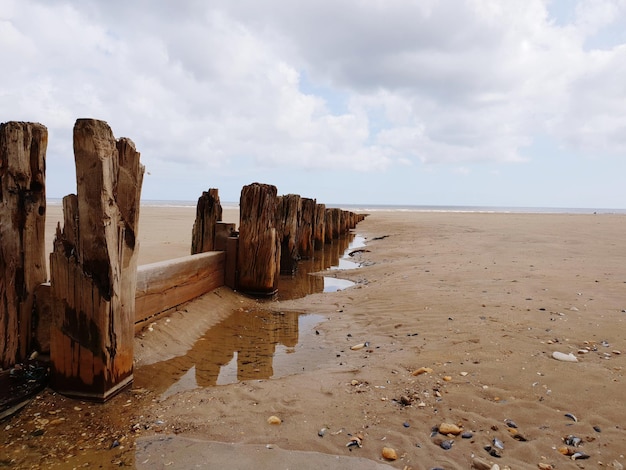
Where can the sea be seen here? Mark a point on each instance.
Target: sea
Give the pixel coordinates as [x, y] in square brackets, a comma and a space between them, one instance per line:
[407, 208]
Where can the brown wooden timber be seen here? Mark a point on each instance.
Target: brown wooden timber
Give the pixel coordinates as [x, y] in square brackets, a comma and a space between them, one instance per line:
[319, 227]
[167, 284]
[94, 267]
[259, 244]
[208, 213]
[287, 224]
[306, 247]
[22, 230]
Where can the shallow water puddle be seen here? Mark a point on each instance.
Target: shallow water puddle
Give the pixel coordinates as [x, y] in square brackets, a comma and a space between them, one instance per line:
[259, 343]
[248, 345]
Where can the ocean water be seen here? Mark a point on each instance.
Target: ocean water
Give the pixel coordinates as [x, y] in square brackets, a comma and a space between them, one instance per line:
[410, 208]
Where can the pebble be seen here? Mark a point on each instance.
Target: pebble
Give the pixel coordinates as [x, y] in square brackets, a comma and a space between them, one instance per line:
[322, 432]
[422, 370]
[356, 347]
[559, 356]
[449, 428]
[274, 420]
[406, 425]
[446, 445]
[467, 435]
[480, 464]
[389, 453]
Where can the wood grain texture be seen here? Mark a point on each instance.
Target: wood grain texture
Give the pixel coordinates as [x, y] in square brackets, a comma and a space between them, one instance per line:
[22, 233]
[258, 254]
[93, 267]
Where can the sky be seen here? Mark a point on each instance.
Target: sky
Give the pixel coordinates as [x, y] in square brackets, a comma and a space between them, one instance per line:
[413, 102]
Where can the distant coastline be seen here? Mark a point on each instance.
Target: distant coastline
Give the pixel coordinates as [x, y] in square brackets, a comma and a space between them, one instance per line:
[406, 208]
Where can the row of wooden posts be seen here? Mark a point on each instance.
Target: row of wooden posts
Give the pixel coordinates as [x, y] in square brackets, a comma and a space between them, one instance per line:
[87, 311]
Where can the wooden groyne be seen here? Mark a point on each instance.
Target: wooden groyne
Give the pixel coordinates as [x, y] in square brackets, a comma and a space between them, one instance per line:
[97, 297]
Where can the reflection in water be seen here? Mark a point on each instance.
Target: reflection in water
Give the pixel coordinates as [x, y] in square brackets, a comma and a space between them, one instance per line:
[241, 347]
[249, 343]
[333, 256]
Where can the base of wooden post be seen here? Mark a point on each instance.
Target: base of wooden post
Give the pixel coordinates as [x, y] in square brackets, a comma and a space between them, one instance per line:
[91, 396]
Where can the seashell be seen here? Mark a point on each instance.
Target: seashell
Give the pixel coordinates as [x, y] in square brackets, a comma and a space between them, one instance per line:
[579, 456]
[446, 445]
[355, 441]
[559, 356]
[498, 443]
[274, 420]
[572, 417]
[545, 466]
[449, 428]
[572, 440]
[322, 432]
[356, 347]
[493, 452]
[422, 370]
[389, 453]
[510, 423]
[467, 435]
[519, 437]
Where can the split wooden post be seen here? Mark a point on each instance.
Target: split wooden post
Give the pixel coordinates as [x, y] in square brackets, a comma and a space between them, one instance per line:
[287, 223]
[258, 253]
[208, 213]
[94, 267]
[22, 233]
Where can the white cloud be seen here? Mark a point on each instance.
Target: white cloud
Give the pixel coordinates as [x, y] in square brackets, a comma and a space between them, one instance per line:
[202, 86]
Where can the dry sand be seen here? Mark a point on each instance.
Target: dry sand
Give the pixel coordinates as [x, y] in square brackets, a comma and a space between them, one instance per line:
[481, 299]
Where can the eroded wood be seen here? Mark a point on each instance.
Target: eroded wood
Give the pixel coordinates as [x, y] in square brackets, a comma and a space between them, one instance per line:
[22, 233]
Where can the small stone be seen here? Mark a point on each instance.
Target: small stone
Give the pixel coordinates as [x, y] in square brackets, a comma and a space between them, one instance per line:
[354, 382]
[422, 370]
[447, 378]
[356, 347]
[449, 428]
[467, 435]
[405, 400]
[389, 453]
[406, 425]
[463, 374]
[274, 420]
[545, 466]
[480, 464]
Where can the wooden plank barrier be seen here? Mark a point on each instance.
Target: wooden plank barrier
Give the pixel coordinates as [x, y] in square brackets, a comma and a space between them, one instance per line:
[167, 284]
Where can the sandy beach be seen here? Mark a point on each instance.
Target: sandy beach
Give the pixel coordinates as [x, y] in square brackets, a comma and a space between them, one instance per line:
[453, 319]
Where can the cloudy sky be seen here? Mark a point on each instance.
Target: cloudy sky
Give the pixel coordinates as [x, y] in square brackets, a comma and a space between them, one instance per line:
[429, 102]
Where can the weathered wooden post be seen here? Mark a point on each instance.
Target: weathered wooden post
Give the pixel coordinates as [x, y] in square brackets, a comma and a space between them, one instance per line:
[94, 265]
[306, 228]
[328, 226]
[319, 228]
[22, 231]
[258, 254]
[208, 213]
[287, 224]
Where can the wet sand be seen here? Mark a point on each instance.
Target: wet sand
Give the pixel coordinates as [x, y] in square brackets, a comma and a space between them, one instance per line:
[481, 299]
